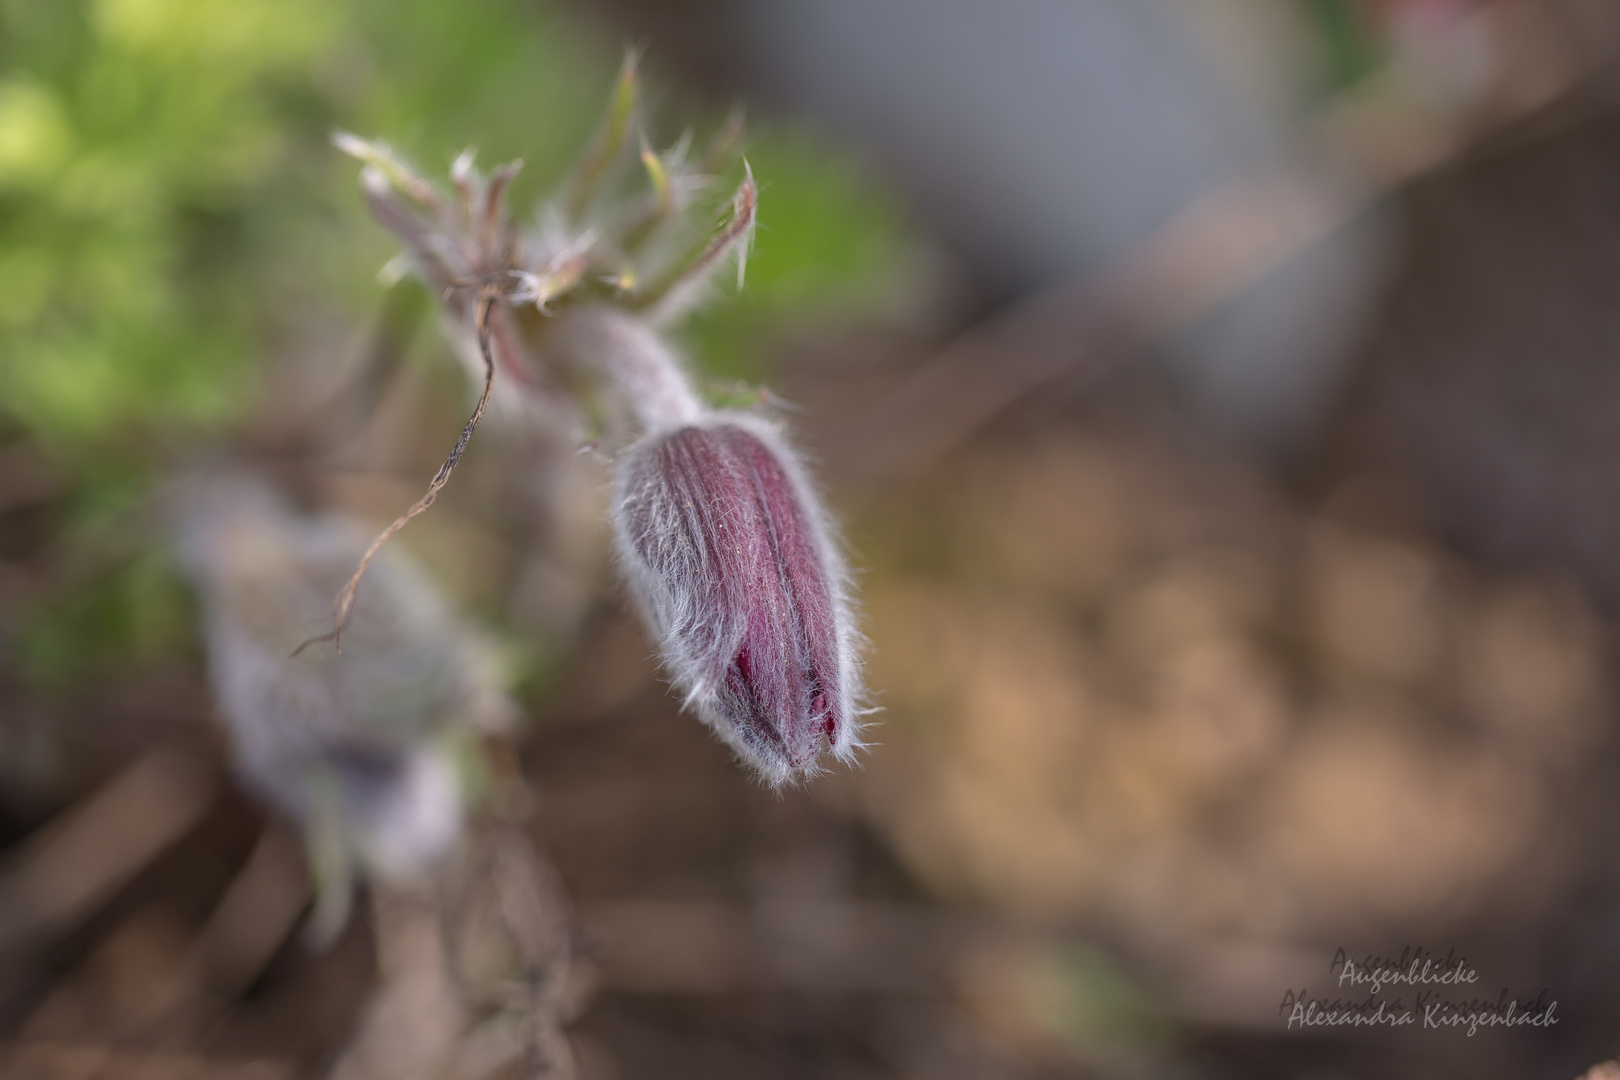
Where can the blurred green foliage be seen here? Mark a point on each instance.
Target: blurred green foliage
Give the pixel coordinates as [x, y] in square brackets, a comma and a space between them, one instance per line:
[141, 612]
[162, 160]
[132, 134]
[1347, 41]
[169, 201]
[827, 245]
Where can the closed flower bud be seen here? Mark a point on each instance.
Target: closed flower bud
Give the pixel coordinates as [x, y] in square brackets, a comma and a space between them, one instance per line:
[725, 545]
[359, 748]
[730, 557]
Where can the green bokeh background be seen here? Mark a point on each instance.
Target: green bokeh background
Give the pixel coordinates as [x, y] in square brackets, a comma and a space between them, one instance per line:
[170, 200]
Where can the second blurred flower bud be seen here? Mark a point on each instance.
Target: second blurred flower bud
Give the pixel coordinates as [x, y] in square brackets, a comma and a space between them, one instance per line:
[365, 749]
[728, 553]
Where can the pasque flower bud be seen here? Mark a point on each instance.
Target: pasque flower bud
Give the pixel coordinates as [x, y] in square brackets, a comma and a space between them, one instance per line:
[359, 748]
[728, 552]
[721, 536]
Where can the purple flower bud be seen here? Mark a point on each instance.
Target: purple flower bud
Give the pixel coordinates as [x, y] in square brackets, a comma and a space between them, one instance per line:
[730, 556]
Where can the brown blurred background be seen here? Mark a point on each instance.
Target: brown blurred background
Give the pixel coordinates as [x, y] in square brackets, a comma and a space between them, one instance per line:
[1223, 418]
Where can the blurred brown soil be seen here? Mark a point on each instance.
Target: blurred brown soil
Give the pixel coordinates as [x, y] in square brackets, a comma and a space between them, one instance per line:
[1160, 734]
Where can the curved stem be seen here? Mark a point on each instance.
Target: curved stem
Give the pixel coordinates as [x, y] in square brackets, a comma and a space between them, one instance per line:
[635, 364]
[343, 606]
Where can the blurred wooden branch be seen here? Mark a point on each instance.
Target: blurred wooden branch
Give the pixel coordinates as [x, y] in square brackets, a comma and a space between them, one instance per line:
[1212, 252]
[66, 870]
[1208, 254]
[74, 1061]
[256, 914]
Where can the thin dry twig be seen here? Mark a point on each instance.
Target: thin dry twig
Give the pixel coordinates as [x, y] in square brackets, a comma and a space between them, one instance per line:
[343, 606]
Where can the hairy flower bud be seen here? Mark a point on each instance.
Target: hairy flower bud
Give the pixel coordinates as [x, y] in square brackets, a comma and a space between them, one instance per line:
[360, 748]
[730, 557]
[725, 545]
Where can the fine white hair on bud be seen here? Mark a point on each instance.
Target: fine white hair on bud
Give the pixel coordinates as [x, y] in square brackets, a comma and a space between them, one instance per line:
[734, 565]
[720, 533]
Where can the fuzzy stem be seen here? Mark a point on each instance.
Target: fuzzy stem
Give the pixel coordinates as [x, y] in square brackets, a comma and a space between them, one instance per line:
[629, 358]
